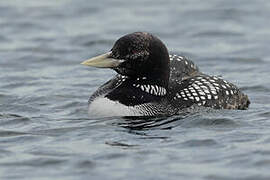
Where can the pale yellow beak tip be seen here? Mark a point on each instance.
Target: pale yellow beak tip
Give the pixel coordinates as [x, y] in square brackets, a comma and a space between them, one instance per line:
[102, 61]
[83, 63]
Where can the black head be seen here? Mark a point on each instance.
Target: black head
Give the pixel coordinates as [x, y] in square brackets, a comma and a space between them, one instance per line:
[139, 55]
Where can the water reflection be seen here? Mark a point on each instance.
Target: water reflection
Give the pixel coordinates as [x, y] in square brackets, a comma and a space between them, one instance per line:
[147, 123]
[203, 118]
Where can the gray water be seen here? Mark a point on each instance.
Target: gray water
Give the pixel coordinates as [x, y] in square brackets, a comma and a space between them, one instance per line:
[45, 132]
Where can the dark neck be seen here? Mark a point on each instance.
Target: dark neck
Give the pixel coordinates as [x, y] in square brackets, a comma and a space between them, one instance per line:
[149, 80]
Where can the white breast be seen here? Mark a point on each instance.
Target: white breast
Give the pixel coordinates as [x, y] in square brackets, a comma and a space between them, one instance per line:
[104, 107]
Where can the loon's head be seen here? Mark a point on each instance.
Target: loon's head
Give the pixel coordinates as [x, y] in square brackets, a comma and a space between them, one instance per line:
[137, 55]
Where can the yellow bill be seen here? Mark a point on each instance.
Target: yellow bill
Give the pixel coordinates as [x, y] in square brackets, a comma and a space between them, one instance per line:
[103, 61]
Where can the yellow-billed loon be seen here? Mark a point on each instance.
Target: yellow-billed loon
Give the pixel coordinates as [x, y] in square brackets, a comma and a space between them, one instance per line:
[150, 82]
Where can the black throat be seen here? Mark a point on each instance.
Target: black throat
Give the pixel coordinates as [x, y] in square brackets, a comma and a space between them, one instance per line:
[132, 92]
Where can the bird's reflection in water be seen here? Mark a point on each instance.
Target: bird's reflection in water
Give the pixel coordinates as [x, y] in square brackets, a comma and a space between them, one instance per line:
[147, 123]
[195, 117]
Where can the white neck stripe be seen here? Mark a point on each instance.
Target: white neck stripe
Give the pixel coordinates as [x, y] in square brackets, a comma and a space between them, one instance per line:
[152, 89]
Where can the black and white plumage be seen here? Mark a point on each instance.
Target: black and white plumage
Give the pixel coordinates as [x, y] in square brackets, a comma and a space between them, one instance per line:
[151, 82]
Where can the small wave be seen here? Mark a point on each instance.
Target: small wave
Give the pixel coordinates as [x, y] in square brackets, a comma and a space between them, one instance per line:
[36, 162]
[11, 133]
[256, 88]
[98, 42]
[119, 144]
[220, 34]
[13, 119]
[200, 142]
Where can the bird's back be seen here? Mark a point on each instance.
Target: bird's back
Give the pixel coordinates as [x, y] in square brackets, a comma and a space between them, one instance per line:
[188, 86]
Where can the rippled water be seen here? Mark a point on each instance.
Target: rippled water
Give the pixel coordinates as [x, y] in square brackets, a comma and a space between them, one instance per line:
[45, 132]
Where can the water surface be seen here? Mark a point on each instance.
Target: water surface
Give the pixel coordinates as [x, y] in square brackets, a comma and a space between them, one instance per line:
[45, 132]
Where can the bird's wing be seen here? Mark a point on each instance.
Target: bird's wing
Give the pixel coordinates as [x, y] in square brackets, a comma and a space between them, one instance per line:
[209, 91]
